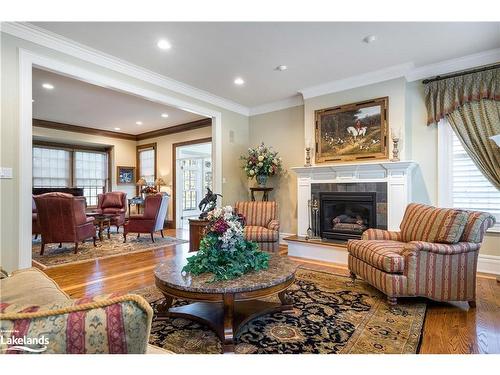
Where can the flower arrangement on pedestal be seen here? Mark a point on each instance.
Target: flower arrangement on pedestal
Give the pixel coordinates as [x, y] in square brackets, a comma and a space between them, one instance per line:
[149, 190]
[262, 162]
[224, 252]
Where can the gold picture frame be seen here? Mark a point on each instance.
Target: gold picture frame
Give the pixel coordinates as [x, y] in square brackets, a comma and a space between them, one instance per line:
[356, 131]
[125, 175]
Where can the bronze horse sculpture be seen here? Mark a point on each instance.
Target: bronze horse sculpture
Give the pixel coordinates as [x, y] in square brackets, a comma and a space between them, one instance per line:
[208, 203]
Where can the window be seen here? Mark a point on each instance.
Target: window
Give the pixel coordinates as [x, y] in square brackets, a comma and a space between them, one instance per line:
[91, 174]
[462, 184]
[146, 157]
[57, 167]
[51, 167]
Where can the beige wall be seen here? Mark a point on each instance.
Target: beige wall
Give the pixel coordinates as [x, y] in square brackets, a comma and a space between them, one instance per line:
[164, 153]
[284, 131]
[232, 190]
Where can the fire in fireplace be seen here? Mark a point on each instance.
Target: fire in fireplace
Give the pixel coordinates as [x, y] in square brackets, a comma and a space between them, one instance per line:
[346, 215]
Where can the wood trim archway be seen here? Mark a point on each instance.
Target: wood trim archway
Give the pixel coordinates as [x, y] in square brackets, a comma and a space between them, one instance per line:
[174, 171]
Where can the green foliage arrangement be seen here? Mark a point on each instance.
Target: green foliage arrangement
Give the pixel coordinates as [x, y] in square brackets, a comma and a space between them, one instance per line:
[224, 252]
[262, 161]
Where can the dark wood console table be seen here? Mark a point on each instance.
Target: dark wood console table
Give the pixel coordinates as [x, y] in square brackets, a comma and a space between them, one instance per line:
[265, 192]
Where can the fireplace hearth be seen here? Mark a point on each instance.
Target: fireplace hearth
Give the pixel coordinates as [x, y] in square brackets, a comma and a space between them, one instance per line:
[346, 215]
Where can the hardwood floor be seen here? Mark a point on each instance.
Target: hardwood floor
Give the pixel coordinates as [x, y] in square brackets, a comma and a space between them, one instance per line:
[449, 328]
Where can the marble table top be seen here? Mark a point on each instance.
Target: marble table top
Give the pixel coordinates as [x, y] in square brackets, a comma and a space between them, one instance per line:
[280, 270]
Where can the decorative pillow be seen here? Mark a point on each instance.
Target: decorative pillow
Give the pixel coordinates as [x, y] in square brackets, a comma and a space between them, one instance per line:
[431, 224]
[111, 200]
[104, 324]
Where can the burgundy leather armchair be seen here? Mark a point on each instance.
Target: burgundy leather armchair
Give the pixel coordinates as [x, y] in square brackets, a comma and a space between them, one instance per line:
[35, 227]
[113, 203]
[153, 218]
[62, 219]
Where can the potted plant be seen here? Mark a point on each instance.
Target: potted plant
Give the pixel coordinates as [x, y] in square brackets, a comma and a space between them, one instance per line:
[261, 162]
[224, 252]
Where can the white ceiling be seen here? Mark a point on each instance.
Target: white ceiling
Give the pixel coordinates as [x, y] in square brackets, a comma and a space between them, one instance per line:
[79, 103]
[209, 56]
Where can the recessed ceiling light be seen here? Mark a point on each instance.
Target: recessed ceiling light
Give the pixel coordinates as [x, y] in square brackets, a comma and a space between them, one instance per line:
[164, 115]
[32, 100]
[47, 86]
[117, 129]
[164, 44]
[239, 81]
[281, 68]
[138, 122]
[370, 39]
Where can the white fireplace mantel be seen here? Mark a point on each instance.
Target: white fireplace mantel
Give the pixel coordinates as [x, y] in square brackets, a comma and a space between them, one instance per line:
[396, 174]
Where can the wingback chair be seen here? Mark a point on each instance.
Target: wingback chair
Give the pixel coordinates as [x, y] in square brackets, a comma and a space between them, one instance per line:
[35, 227]
[261, 223]
[434, 254]
[113, 203]
[153, 218]
[62, 219]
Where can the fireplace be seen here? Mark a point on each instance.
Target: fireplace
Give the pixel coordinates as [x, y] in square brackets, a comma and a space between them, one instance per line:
[346, 215]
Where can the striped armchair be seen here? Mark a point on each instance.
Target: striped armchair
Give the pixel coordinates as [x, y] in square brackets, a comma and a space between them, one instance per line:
[261, 223]
[434, 254]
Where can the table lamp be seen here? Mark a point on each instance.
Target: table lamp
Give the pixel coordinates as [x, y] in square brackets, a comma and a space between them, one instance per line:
[160, 182]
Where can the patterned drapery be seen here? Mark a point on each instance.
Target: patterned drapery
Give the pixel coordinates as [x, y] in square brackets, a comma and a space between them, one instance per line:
[444, 96]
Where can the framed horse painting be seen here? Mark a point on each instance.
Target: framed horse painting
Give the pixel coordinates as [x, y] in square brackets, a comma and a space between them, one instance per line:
[356, 131]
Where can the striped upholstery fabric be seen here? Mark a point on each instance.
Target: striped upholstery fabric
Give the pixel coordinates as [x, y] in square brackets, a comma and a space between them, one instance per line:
[476, 226]
[260, 234]
[257, 213]
[431, 224]
[105, 324]
[439, 271]
[261, 223]
[382, 254]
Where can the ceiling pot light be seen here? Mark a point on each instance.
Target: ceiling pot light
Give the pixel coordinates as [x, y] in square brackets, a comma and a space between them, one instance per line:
[164, 115]
[138, 122]
[239, 81]
[281, 68]
[47, 86]
[117, 129]
[369, 39]
[164, 44]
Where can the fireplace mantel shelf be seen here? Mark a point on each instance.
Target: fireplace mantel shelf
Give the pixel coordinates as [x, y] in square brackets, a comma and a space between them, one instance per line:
[359, 166]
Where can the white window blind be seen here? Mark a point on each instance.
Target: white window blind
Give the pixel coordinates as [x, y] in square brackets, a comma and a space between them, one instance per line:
[469, 188]
[51, 167]
[91, 174]
[147, 165]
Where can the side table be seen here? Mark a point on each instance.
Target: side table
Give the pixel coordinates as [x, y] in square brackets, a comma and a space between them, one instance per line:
[196, 231]
[265, 192]
[135, 201]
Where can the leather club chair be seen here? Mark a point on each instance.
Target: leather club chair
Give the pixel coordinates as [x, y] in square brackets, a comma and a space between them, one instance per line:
[62, 218]
[35, 227]
[153, 218]
[113, 203]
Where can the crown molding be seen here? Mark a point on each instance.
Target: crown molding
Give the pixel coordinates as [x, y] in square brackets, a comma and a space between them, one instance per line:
[360, 80]
[69, 47]
[294, 101]
[455, 65]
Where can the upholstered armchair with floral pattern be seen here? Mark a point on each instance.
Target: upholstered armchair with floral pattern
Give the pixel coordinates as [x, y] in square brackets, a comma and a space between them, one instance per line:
[434, 254]
[261, 223]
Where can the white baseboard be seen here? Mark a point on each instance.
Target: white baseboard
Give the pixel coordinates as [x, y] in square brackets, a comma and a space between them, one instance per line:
[489, 264]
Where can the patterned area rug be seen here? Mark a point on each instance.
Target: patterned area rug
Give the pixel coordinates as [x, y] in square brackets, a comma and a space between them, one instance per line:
[331, 315]
[55, 256]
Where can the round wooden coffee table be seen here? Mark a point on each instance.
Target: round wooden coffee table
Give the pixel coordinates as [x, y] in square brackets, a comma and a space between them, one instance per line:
[224, 305]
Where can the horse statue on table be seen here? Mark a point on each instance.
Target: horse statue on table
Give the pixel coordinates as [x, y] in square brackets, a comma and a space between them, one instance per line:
[208, 203]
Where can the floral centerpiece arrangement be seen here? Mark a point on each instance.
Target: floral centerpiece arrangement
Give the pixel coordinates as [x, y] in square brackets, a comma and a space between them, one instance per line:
[262, 162]
[224, 252]
[149, 190]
